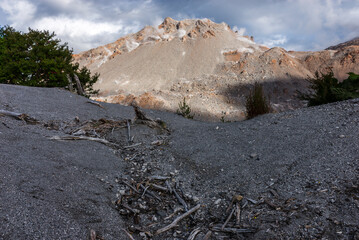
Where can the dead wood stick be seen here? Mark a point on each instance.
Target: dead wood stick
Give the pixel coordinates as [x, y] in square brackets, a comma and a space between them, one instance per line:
[10, 114]
[230, 206]
[175, 222]
[134, 189]
[100, 140]
[193, 234]
[207, 236]
[169, 187]
[96, 103]
[130, 186]
[150, 193]
[158, 187]
[80, 90]
[159, 177]
[238, 214]
[92, 234]
[179, 209]
[19, 116]
[129, 132]
[272, 205]
[229, 218]
[128, 234]
[234, 230]
[140, 114]
[184, 204]
[136, 211]
[144, 191]
[252, 200]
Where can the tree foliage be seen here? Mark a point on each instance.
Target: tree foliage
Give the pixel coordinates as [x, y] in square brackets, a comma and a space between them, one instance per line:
[326, 89]
[256, 102]
[38, 59]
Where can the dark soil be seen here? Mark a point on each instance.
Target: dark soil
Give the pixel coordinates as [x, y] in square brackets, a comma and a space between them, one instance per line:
[292, 175]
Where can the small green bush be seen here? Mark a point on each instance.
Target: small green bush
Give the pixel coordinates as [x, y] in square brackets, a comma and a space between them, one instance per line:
[326, 89]
[184, 109]
[256, 102]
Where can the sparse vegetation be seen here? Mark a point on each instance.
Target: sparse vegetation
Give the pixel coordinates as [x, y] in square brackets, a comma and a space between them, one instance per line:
[38, 59]
[326, 89]
[184, 109]
[256, 102]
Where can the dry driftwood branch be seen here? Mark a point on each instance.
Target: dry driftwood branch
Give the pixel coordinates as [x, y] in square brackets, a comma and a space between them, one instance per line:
[184, 204]
[169, 187]
[175, 222]
[229, 218]
[159, 188]
[100, 140]
[143, 119]
[275, 194]
[236, 198]
[19, 116]
[130, 186]
[92, 234]
[193, 234]
[140, 114]
[135, 190]
[129, 132]
[136, 211]
[174, 213]
[207, 236]
[96, 103]
[149, 192]
[128, 234]
[272, 205]
[252, 200]
[79, 86]
[158, 178]
[144, 191]
[238, 214]
[234, 230]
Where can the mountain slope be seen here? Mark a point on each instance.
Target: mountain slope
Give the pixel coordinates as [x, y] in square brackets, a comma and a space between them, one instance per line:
[353, 42]
[209, 64]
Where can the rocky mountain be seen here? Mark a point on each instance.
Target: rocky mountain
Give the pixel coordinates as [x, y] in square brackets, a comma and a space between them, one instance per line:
[209, 64]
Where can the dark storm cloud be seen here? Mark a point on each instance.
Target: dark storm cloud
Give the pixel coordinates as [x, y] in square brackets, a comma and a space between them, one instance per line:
[298, 25]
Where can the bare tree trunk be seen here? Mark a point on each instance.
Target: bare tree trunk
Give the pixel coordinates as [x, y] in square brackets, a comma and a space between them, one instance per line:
[70, 83]
[79, 86]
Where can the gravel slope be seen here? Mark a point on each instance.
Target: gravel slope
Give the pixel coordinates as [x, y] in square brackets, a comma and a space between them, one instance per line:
[303, 162]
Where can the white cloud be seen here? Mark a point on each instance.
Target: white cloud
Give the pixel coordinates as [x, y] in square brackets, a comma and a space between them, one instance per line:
[306, 24]
[81, 33]
[19, 12]
[276, 40]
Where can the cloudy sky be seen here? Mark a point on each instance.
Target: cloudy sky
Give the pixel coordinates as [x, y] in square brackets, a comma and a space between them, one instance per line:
[292, 24]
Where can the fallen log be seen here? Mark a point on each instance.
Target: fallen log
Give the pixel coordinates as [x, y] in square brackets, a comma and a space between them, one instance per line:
[100, 140]
[19, 116]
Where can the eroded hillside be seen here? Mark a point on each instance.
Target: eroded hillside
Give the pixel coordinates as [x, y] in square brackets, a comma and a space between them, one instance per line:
[209, 64]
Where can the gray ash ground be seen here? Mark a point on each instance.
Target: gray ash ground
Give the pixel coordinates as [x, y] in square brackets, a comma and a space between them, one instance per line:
[292, 175]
